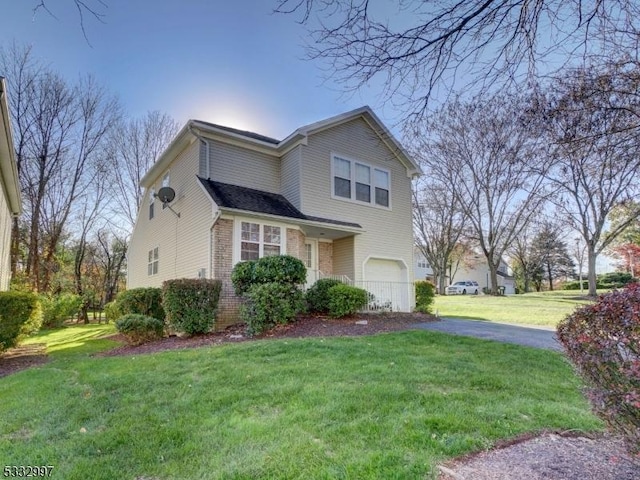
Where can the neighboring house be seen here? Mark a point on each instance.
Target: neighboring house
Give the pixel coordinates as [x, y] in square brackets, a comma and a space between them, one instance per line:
[422, 270]
[10, 203]
[336, 194]
[479, 272]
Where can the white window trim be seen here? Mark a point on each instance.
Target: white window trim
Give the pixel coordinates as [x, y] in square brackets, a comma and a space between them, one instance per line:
[372, 168]
[237, 236]
[153, 260]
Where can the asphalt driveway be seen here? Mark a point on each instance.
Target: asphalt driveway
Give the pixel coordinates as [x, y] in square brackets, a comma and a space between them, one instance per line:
[539, 337]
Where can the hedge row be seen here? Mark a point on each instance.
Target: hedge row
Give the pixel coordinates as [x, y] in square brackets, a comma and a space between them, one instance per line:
[20, 315]
[184, 306]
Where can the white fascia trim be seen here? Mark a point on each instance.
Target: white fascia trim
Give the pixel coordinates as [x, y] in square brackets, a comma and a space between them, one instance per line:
[8, 166]
[182, 140]
[293, 221]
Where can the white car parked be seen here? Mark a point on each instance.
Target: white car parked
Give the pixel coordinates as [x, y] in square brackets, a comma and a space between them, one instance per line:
[462, 288]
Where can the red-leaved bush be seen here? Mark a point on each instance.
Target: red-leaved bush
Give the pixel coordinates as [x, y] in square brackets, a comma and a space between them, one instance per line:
[603, 342]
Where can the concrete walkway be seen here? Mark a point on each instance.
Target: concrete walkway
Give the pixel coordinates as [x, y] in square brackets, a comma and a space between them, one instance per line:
[539, 337]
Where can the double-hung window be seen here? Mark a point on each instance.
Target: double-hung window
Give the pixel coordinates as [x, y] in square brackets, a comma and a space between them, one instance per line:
[257, 240]
[360, 182]
[152, 264]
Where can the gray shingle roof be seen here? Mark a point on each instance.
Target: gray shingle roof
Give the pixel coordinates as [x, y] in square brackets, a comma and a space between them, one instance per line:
[249, 199]
[244, 133]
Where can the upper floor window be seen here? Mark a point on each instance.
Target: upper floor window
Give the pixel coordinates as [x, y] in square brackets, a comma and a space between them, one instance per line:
[357, 181]
[257, 240]
[423, 264]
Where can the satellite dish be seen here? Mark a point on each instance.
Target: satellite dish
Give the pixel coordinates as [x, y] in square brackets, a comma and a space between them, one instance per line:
[166, 194]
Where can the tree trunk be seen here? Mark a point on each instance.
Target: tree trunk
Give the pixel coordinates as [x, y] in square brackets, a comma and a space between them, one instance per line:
[493, 276]
[591, 270]
[550, 277]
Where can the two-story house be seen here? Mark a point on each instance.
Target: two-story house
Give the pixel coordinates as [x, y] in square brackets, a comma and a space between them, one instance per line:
[10, 202]
[336, 194]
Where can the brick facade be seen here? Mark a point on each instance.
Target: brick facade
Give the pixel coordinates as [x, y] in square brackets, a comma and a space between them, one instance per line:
[295, 243]
[221, 269]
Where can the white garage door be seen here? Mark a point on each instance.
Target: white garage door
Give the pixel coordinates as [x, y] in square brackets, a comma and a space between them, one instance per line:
[387, 281]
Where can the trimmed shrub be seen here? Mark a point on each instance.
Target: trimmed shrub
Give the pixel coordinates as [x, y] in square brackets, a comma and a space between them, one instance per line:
[57, 309]
[242, 276]
[425, 295]
[191, 304]
[20, 315]
[283, 269]
[603, 342]
[143, 301]
[345, 300]
[318, 295]
[270, 304]
[139, 329]
[112, 311]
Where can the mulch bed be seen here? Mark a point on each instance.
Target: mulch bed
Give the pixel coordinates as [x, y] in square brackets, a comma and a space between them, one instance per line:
[19, 358]
[308, 326]
[23, 357]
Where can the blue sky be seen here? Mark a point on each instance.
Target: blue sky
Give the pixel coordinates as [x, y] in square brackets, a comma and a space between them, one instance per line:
[228, 62]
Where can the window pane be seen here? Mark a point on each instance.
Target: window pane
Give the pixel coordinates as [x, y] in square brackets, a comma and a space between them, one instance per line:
[150, 256]
[382, 197]
[342, 187]
[363, 174]
[150, 269]
[341, 168]
[271, 234]
[155, 267]
[250, 232]
[363, 192]
[308, 255]
[151, 210]
[155, 254]
[271, 250]
[382, 179]
[249, 251]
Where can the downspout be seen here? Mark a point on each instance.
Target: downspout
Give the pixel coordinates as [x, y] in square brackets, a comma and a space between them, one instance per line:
[192, 131]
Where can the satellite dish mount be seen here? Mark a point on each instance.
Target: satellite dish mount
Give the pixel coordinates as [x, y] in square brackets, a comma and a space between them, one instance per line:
[166, 196]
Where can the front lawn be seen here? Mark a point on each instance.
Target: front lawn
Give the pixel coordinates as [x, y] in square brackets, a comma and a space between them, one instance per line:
[386, 406]
[529, 309]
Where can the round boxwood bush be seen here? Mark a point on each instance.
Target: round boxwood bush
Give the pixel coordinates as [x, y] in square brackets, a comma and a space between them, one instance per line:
[139, 329]
[20, 315]
[345, 300]
[318, 295]
[242, 276]
[270, 304]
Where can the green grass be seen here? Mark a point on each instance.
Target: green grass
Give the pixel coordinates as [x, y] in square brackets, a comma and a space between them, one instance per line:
[544, 309]
[388, 406]
[78, 339]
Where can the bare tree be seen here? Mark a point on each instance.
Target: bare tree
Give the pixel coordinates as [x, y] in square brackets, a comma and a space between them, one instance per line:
[417, 47]
[134, 147]
[527, 265]
[592, 120]
[487, 154]
[85, 8]
[60, 129]
[438, 225]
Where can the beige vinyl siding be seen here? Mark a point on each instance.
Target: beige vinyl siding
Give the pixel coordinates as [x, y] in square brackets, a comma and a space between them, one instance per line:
[290, 177]
[240, 166]
[343, 250]
[183, 243]
[388, 231]
[5, 239]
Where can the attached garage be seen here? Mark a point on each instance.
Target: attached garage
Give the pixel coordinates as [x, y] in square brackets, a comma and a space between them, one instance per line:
[388, 280]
